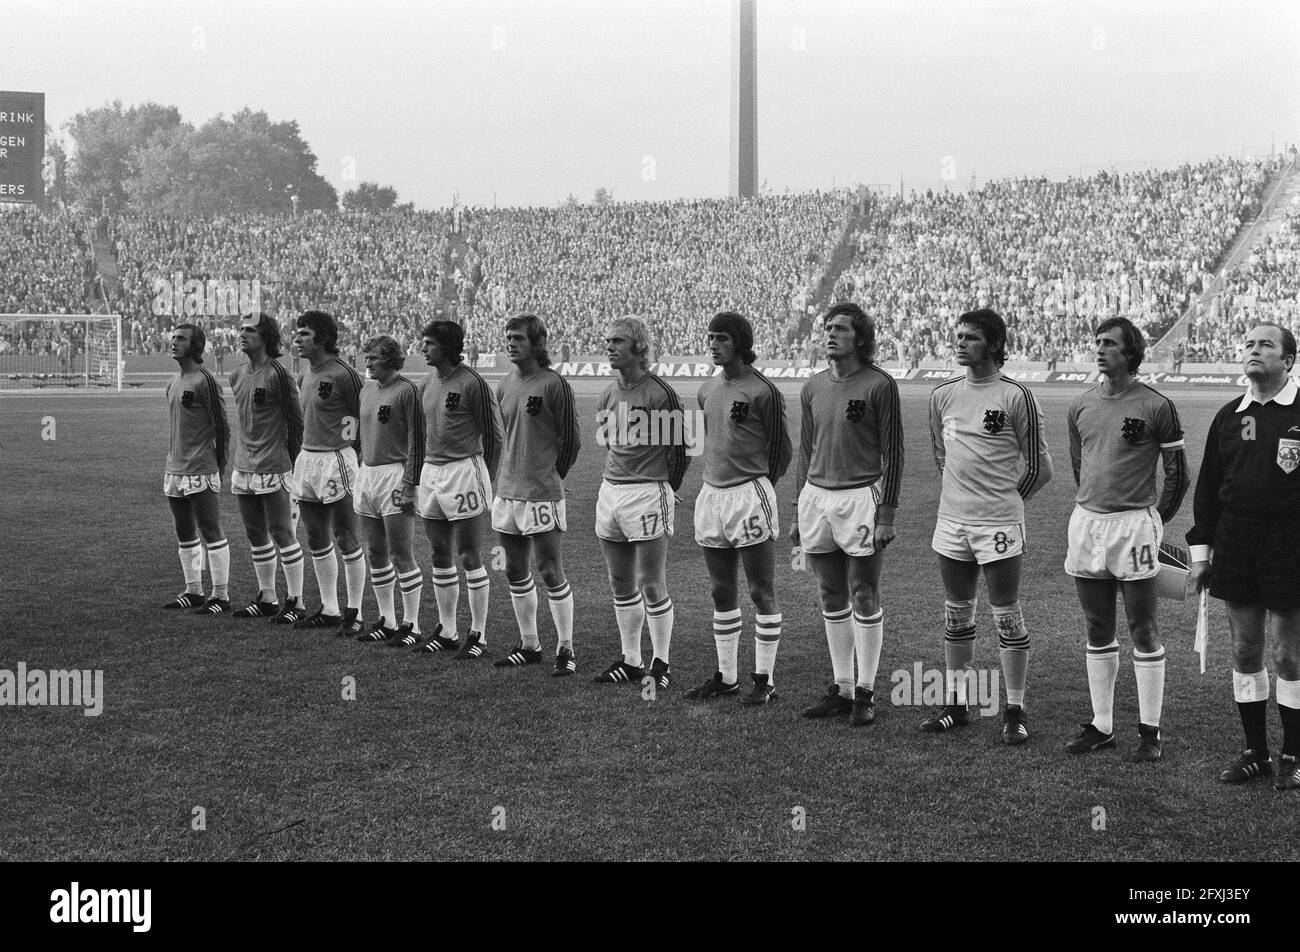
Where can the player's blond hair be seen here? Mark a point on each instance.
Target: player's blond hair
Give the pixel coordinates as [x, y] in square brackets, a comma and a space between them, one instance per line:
[387, 350]
[639, 331]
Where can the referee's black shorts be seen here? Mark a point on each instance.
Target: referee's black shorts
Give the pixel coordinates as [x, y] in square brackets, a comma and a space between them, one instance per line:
[1256, 561]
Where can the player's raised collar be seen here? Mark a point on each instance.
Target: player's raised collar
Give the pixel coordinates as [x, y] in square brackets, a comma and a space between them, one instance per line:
[1285, 397]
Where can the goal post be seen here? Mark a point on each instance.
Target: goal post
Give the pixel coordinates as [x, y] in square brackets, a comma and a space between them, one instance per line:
[62, 351]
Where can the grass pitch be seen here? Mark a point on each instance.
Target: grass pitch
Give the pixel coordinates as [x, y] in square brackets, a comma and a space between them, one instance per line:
[244, 726]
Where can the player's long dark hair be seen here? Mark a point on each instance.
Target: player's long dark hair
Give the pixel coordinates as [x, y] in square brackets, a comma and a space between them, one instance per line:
[450, 337]
[323, 326]
[198, 340]
[993, 328]
[1135, 345]
[535, 331]
[738, 328]
[864, 328]
[269, 330]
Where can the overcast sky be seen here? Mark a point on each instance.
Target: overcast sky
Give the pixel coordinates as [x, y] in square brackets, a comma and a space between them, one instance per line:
[526, 101]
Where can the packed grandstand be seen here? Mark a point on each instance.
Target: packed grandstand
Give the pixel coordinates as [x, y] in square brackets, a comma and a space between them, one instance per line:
[1054, 257]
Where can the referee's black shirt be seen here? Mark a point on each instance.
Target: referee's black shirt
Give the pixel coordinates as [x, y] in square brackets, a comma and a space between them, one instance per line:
[1251, 466]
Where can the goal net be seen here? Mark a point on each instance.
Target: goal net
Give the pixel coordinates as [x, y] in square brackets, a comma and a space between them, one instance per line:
[60, 350]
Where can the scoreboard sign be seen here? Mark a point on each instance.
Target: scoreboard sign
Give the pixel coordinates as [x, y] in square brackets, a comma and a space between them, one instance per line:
[22, 147]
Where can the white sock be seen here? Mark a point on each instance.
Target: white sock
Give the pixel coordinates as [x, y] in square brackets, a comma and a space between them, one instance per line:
[476, 580]
[868, 635]
[561, 603]
[523, 598]
[629, 610]
[327, 578]
[264, 569]
[446, 592]
[659, 619]
[191, 556]
[839, 640]
[726, 638]
[354, 578]
[412, 584]
[383, 578]
[1249, 687]
[219, 565]
[767, 638]
[1149, 669]
[1103, 670]
[291, 563]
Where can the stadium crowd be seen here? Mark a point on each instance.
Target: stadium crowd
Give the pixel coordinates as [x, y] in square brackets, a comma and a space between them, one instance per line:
[1263, 287]
[380, 274]
[1055, 257]
[675, 263]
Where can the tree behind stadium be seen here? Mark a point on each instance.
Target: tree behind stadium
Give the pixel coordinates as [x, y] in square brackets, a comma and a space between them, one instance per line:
[146, 159]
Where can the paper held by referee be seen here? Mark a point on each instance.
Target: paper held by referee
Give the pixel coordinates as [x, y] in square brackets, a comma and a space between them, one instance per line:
[1202, 627]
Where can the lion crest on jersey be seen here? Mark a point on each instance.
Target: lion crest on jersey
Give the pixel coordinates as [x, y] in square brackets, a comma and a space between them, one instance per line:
[452, 402]
[739, 411]
[259, 396]
[324, 389]
[385, 413]
[533, 406]
[855, 411]
[187, 398]
[1133, 430]
[995, 421]
[1288, 455]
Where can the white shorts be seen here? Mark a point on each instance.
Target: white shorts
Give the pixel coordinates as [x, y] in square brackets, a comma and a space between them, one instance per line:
[634, 512]
[259, 484]
[179, 485]
[737, 516]
[843, 519]
[325, 476]
[454, 491]
[982, 544]
[1119, 545]
[522, 517]
[379, 490]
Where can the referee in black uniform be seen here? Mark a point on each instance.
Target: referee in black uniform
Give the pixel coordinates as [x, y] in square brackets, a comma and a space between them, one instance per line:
[1247, 511]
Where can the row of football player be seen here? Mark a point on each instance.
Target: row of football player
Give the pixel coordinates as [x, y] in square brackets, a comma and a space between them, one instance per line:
[436, 449]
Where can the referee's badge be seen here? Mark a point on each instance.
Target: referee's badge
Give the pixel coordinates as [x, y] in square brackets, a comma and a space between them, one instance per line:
[1288, 455]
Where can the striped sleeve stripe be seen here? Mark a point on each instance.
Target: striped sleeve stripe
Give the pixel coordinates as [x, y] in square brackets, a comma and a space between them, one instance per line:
[1033, 463]
[676, 454]
[774, 424]
[217, 414]
[357, 384]
[565, 416]
[484, 414]
[891, 442]
[292, 410]
[415, 438]
[1173, 416]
